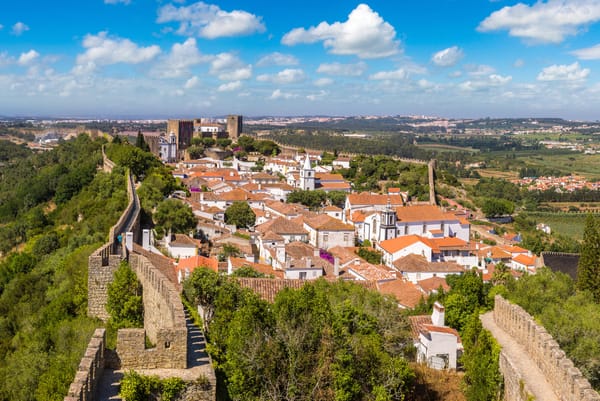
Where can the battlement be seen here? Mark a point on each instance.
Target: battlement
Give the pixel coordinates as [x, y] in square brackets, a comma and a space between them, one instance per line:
[567, 381]
[90, 369]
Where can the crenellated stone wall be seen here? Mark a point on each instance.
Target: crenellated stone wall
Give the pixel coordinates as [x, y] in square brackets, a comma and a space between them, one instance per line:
[164, 323]
[567, 381]
[90, 369]
[106, 259]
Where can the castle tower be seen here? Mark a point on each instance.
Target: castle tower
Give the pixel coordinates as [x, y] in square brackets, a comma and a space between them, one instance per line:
[307, 176]
[234, 127]
[387, 228]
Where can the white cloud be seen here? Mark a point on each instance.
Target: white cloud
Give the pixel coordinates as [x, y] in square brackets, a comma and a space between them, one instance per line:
[278, 94]
[228, 67]
[519, 63]
[277, 58]
[477, 70]
[323, 82]
[316, 96]
[27, 58]
[590, 53]
[191, 83]
[398, 74]
[545, 21]
[102, 50]
[339, 69]
[230, 86]
[484, 83]
[209, 21]
[179, 60]
[447, 57]
[19, 28]
[572, 72]
[365, 34]
[287, 76]
[455, 74]
[5, 59]
[126, 2]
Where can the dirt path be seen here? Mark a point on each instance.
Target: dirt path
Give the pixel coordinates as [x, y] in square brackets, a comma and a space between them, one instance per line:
[532, 375]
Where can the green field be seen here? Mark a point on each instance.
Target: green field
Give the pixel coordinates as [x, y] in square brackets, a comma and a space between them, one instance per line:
[569, 224]
[446, 148]
[575, 163]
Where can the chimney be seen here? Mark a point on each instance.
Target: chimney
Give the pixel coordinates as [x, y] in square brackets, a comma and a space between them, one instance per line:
[437, 317]
[129, 241]
[146, 239]
[336, 267]
[308, 263]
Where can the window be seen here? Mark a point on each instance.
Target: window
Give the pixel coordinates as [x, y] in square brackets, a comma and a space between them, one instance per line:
[325, 237]
[346, 237]
[302, 276]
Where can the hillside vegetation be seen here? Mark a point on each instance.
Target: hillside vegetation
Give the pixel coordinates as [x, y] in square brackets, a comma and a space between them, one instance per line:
[55, 209]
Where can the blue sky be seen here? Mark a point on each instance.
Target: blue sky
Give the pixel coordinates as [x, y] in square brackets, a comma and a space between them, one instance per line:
[159, 59]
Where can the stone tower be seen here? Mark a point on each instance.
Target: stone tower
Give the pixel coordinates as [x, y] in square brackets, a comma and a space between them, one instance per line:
[307, 176]
[234, 126]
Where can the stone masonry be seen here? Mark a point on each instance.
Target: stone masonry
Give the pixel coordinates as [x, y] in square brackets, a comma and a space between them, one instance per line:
[567, 381]
[164, 323]
[90, 369]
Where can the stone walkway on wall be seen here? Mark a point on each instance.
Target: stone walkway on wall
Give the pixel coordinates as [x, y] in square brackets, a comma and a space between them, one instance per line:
[532, 375]
[198, 364]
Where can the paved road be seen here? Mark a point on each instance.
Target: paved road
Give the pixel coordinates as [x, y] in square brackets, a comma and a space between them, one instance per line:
[532, 375]
[198, 364]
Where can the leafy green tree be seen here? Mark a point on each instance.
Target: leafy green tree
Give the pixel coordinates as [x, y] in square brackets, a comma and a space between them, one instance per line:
[240, 214]
[224, 142]
[247, 271]
[229, 250]
[482, 378]
[588, 269]
[312, 199]
[141, 143]
[493, 207]
[174, 216]
[195, 152]
[124, 303]
[246, 143]
[370, 255]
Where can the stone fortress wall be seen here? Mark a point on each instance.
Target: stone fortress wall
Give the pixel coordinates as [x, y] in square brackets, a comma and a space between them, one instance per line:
[90, 369]
[164, 323]
[567, 381]
[106, 259]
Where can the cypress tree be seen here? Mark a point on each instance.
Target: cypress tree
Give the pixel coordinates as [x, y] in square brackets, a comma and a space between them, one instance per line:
[588, 269]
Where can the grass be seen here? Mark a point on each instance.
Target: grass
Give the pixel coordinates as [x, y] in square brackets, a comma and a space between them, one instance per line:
[569, 224]
[574, 163]
[507, 175]
[447, 148]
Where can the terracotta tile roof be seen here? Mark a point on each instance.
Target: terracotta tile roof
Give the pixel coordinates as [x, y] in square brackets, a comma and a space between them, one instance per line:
[422, 325]
[358, 216]
[423, 213]
[407, 294]
[281, 226]
[450, 243]
[368, 199]
[194, 262]
[264, 176]
[268, 288]
[182, 240]
[328, 177]
[271, 236]
[287, 209]
[417, 263]
[237, 263]
[372, 272]
[298, 250]
[525, 260]
[331, 208]
[324, 222]
[161, 262]
[345, 255]
[433, 284]
[514, 249]
[396, 244]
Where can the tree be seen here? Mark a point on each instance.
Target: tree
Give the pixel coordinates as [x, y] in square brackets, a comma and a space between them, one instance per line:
[240, 214]
[195, 151]
[588, 269]
[493, 207]
[174, 216]
[141, 143]
[124, 303]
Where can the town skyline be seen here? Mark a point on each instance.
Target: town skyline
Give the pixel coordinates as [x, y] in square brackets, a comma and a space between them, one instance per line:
[157, 59]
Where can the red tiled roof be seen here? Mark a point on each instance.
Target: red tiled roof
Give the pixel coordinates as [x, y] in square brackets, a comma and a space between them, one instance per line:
[396, 244]
[417, 263]
[433, 284]
[365, 198]
[324, 222]
[197, 261]
[407, 294]
[423, 213]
